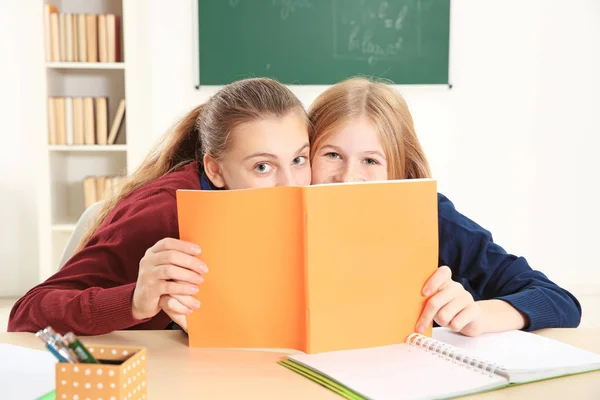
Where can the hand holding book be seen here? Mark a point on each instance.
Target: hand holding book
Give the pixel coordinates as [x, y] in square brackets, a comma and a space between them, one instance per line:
[169, 268]
[453, 307]
[450, 305]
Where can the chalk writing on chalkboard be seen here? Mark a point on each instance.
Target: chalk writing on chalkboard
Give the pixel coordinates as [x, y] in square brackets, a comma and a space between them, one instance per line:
[287, 7]
[323, 41]
[374, 31]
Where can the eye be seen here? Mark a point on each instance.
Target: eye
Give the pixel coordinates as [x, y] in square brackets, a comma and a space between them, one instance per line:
[299, 160]
[263, 168]
[333, 155]
[370, 161]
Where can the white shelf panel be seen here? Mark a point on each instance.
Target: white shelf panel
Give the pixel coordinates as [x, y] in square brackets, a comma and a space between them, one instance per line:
[88, 148]
[84, 65]
[68, 170]
[63, 227]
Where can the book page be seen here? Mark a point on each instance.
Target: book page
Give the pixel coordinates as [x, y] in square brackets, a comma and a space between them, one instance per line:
[252, 243]
[26, 373]
[523, 355]
[399, 372]
[370, 249]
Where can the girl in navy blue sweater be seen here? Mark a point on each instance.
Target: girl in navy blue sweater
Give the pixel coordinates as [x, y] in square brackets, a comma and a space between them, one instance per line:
[363, 131]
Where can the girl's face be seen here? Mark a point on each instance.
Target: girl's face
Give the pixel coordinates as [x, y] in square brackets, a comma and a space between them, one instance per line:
[352, 154]
[264, 153]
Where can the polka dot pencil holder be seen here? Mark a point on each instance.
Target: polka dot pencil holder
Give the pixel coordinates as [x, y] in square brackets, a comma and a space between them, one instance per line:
[120, 374]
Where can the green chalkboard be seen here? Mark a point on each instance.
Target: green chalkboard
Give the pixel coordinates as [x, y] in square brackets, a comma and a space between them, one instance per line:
[323, 41]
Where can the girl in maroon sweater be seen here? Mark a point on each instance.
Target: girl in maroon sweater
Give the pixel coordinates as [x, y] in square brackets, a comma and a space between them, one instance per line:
[130, 270]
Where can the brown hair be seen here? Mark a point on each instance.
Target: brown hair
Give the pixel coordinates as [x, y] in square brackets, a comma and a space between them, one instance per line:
[206, 130]
[385, 107]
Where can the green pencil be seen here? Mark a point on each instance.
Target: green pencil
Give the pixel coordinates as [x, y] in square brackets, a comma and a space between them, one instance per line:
[82, 353]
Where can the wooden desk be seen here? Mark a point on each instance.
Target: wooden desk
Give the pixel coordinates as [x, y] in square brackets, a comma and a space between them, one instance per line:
[177, 371]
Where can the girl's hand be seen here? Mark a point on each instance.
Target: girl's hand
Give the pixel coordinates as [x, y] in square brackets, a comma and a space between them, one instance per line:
[169, 268]
[177, 307]
[450, 305]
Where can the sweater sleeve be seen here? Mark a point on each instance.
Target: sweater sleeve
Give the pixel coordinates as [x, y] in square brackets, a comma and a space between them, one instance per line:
[489, 272]
[92, 293]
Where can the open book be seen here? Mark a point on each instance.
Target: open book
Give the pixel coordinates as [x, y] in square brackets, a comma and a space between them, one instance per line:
[445, 366]
[318, 268]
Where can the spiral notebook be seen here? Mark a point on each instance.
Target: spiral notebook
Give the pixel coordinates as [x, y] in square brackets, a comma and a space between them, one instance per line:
[445, 366]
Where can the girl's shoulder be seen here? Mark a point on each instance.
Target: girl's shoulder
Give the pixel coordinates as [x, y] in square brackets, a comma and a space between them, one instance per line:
[454, 222]
[186, 178]
[157, 198]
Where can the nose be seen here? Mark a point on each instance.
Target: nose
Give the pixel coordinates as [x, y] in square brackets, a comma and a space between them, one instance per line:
[285, 178]
[348, 173]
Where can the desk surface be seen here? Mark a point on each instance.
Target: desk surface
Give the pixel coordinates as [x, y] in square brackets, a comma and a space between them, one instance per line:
[176, 369]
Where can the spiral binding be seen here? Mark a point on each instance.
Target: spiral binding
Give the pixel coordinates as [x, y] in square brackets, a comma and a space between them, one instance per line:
[451, 353]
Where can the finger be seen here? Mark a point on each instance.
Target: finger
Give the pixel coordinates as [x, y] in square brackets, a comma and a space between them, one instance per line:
[188, 301]
[176, 244]
[179, 319]
[177, 288]
[465, 317]
[173, 272]
[182, 260]
[433, 305]
[173, 306]
[437, 280]
[447, 313]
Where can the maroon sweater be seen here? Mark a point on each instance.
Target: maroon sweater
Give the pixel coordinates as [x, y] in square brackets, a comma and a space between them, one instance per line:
[91, 294]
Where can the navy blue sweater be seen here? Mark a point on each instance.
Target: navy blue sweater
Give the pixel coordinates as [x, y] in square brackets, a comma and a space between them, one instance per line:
[487, 271]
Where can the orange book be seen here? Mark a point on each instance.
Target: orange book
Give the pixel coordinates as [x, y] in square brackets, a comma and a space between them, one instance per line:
[101, 120]
[55, 36]
[319, 268]
[113, 37]
[82, 38]
[49, 9]
[102, 45]
[91, 24]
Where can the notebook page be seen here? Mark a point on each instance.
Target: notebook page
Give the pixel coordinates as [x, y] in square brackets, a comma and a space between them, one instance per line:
[25, 373]
[399, 372]
[524, 356]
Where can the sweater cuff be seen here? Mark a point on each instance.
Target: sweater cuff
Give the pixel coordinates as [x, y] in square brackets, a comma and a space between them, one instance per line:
[535, 307]
[111, 310]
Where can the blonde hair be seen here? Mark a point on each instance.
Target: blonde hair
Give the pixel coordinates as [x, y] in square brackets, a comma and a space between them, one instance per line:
[383, 106]
[205, 130]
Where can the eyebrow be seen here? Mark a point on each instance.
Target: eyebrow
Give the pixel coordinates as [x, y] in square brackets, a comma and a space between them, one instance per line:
[273, 156]
[301, 149]
[375, 152]
[368, 152]
[332, 147]
[260, 154]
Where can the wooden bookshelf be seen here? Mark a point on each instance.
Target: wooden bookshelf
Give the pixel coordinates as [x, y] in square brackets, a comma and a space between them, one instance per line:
[97, 78]
[88, 148]
[84, 65]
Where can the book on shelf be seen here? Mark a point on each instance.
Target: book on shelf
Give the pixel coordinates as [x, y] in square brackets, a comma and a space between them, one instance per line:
[71, 37]
[446, 365]
[97, 188]
[83, 121]
[317, 268]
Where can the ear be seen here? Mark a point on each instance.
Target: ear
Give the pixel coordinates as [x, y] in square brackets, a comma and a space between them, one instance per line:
[213, 171]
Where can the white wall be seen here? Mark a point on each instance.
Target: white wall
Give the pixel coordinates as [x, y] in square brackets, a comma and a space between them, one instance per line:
[21, 78]
[512, 143]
